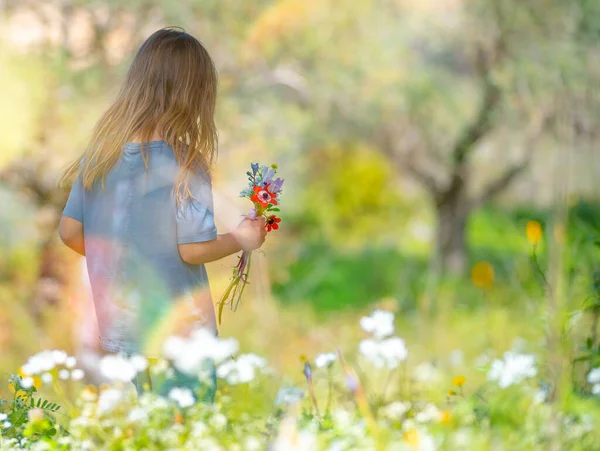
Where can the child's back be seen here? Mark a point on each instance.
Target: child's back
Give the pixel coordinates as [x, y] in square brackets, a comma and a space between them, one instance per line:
[132, 230]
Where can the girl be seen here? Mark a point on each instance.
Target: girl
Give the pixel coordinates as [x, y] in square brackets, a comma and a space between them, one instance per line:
[140, 208]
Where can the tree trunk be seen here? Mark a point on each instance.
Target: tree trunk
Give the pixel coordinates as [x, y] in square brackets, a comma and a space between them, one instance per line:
[451, 243]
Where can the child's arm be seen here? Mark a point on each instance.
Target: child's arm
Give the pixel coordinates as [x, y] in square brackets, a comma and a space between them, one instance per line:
[70, 228]
[249, 235]
[71, 233]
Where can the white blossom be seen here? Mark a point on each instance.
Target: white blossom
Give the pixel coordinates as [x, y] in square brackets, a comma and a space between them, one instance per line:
[325, 359]
[218, 421]
[64, 374]
[429, 414]
[27, 382]
[139, 362]
[289, 395]
[252, 444]
[60, 357]
[241, 370]
[47, 378]
[189, 355]
[3, 416]
[77, 374]
[117, 367]
[182, 396]
[108, 399]
[70, 362]
[39, 363]
[593, 376]
[395, 410]
[513, 369]
[380, 323]
[7, 424]
[385, 353]
[137, 414]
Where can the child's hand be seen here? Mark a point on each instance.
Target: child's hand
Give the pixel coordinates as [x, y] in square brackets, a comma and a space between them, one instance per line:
[251, 233]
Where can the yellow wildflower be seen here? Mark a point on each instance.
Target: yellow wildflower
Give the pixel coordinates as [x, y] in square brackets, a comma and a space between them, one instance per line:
[459, 381]
[482, 274]
[533, 231]
[452, 392]
[412, 438]
[446, 417]
[274, 166]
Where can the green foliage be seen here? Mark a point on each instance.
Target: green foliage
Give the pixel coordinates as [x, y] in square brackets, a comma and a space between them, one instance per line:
[29, 418]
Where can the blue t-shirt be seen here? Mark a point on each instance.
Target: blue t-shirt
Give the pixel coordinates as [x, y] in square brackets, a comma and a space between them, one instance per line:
[131, 230]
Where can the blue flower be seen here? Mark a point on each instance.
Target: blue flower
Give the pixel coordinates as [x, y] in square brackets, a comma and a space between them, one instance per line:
[254, 167]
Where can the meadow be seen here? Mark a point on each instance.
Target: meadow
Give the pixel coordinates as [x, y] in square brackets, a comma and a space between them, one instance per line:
[434, 283]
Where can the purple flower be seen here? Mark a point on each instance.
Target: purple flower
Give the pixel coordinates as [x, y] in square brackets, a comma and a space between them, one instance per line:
[307, 372]
[268, 174]
[252, 214]
[276, 185]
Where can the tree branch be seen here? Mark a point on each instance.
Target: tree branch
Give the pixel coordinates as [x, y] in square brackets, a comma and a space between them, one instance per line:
[402, 152]
[501, 183]
[480, 125]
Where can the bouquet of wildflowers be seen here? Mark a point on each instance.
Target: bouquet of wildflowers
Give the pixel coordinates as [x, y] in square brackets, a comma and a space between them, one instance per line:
[264, 191]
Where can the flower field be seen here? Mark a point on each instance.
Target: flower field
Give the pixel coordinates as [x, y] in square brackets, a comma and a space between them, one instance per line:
[365, 396]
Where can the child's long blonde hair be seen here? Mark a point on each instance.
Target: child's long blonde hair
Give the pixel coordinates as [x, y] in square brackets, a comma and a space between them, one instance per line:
[170, 88]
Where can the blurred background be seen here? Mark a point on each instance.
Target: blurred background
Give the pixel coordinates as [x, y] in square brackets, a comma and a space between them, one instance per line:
[441, 160]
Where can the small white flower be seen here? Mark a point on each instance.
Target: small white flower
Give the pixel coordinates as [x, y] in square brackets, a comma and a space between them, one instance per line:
[27, 382]
[512, 369]
[38, 363]
[108, 399]
[218, 421]
[189, 355]
[47, 378]
[593, 376]
[396, 409]
[289, 395]
[6, 424]
[252, 444]
[386, 353]
[117, 368]
[3, 416]
[429, 414]
[241, 370]
[182, 396]
[70, 362]
[137, 414]
[139, 362]
[77, 374]
[380, 323]
[325, 359]
[64, 374]
[596, 389]
[59, 357]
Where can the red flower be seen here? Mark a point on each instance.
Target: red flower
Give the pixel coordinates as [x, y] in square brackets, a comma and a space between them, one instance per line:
[263, 196]
[272, 223]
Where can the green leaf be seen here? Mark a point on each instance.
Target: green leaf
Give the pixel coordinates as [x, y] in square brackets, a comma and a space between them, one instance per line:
[51, 432]
[32, 402]
[275, 209]
[39, 402]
